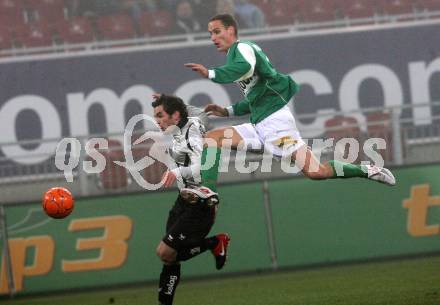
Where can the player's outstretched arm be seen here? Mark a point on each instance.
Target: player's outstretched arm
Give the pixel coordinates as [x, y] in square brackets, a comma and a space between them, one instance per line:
[214, 109]
[201, 69]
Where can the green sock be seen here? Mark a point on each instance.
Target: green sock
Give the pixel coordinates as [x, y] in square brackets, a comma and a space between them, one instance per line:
[347, 170]
[210, 175]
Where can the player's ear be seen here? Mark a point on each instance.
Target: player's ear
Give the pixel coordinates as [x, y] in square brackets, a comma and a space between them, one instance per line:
[176, 116]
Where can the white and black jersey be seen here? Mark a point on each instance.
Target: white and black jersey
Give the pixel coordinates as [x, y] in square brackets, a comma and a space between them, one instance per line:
[186, 151]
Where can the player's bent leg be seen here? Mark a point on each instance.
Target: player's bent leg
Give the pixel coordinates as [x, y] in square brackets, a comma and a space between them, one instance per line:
[310, 165]
[312, 168]
[218, 136]
[214, 141]
[196, 249]
[166, 254]
[204, 204]
[372, 172]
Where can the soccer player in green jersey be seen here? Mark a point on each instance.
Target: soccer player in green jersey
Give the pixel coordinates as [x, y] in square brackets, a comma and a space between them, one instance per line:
[266, 93]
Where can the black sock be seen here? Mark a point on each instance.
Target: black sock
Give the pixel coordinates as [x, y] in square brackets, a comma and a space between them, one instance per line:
[169, 279]
[190, 252]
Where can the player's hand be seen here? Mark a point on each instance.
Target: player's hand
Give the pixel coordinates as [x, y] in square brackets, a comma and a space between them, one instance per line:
[198, 68]
[168, 178]
[214, 109]
[157, 96]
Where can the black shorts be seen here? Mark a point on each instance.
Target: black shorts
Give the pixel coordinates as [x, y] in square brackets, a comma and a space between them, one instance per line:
[188, 224]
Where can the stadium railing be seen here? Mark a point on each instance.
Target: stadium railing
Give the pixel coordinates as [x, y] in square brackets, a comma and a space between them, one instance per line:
[22, 180]
[372, 21]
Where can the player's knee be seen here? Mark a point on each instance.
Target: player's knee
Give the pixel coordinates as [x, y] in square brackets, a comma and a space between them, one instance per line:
[319, 174]
[214, 137]
[164, 255]
[160, 252]
[315, 176]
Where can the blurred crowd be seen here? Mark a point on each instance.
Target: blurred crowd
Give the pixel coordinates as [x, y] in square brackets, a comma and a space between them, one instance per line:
[40, 23]
[190, 16]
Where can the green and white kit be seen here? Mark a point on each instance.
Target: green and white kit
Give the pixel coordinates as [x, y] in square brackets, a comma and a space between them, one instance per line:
[266, 94]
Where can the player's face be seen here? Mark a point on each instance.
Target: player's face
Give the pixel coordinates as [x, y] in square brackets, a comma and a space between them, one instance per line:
[221, 36]
[163, 119]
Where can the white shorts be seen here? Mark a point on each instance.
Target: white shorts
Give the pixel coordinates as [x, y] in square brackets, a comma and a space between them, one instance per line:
[277, 133]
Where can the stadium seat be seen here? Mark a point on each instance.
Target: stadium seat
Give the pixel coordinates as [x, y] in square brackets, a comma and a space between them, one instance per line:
[11, 12]
[50, 10]
[379, 126]
[430, 5]
[75, 30]
[396, 7]
[318, 11]
[154, 172]
[278, 12]
[357, 8]
[266, 7]
[35, 34]
[117, 26]
[155, 23]
[340, 127]
[113, 176]
[5, 38]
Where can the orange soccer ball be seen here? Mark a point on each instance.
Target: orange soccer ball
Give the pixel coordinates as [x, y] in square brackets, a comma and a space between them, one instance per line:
[58, 202]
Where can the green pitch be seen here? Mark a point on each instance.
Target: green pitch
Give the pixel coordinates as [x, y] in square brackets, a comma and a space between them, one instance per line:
[409, 282]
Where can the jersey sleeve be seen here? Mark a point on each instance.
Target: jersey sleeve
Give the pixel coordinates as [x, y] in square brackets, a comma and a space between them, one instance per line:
[241, 107]
[195, 148]
[241, 65]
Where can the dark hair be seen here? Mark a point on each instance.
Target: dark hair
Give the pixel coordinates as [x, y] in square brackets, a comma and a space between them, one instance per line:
[227, 20]
[171, 104]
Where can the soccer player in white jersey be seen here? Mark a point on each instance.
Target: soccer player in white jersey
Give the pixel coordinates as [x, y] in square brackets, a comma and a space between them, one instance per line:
[191, 217]
[266, 93]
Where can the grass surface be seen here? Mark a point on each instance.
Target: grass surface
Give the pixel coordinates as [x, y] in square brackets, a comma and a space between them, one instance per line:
[405, 282]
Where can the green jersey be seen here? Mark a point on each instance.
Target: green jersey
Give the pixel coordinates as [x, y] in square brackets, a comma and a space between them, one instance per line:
[265, 90]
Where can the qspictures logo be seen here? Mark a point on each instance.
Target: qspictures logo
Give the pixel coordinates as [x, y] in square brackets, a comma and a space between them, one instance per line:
[157, 154]
[345, 149]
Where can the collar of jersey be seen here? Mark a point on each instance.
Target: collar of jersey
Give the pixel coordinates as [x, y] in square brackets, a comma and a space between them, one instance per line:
[236, 42]
[182, 123]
